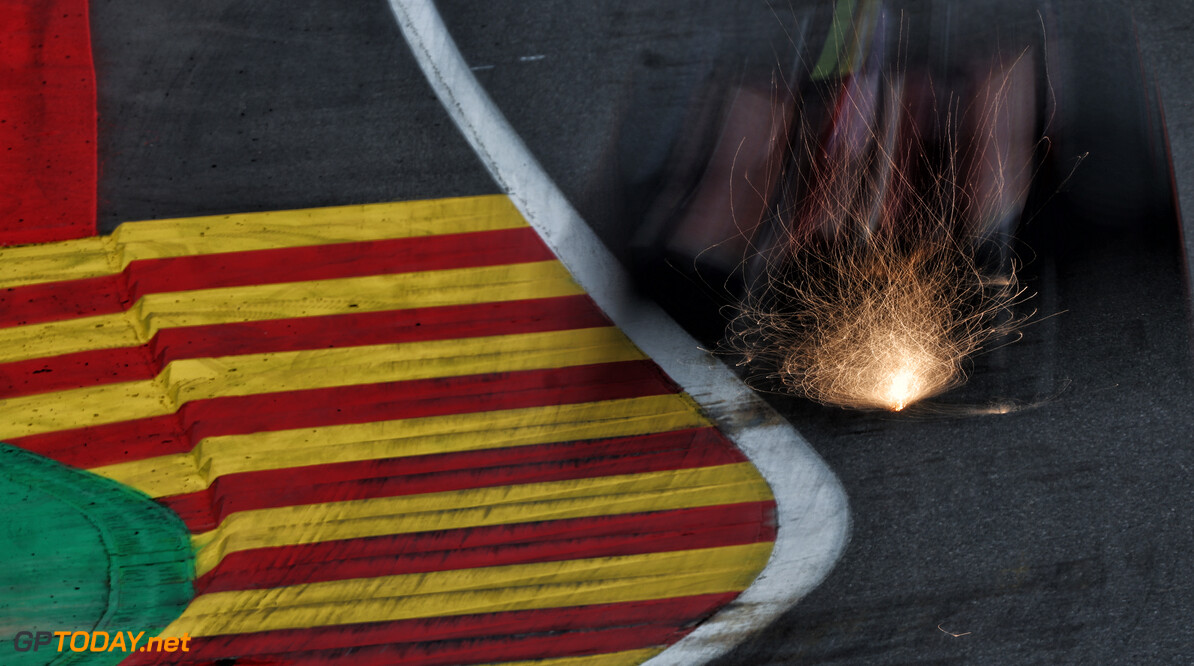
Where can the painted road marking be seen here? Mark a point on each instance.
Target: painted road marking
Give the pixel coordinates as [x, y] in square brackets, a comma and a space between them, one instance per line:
[194, 380]
[470, 591]
[500, 477]
[812, 506]
[180, 473]
[158, 239]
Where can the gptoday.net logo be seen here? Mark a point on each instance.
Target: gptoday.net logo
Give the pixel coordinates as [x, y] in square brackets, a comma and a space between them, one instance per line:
[98, 641]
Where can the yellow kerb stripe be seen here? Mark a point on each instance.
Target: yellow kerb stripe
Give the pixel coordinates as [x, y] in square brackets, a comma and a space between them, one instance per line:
[212, 458]
[19, 343]
[197, 379]
[501, 505]
[374, 293]
[92, 257]
[51, 262]
[467, 591]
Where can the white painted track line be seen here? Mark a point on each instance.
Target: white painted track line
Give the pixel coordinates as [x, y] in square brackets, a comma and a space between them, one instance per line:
[812, 511]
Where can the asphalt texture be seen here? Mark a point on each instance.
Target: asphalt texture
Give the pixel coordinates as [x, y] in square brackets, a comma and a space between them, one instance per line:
[229, 106]
[1165, 33]
[1059, 533]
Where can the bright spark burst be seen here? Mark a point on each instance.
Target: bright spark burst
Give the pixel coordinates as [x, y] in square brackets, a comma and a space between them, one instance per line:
[877, 326]
[904, 386]
[876, 294]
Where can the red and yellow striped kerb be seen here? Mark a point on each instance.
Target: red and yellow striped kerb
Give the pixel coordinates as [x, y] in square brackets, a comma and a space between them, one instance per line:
[398, 433]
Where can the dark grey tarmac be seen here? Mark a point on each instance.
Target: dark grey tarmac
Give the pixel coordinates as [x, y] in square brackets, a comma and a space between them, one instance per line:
[1063, 533]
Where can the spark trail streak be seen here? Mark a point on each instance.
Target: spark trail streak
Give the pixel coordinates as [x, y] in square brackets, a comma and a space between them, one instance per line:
[875, 325]
[892, 266]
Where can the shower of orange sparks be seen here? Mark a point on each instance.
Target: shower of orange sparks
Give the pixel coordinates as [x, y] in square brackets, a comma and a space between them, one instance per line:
[876, 294]
[877, 326]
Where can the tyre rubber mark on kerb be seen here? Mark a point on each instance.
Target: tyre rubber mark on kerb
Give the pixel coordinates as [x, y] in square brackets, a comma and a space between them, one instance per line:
[812, 511]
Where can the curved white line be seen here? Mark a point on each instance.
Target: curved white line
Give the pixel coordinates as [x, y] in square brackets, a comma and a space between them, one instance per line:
[812, 513]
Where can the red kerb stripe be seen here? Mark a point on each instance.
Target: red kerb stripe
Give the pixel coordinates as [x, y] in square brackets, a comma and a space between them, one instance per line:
[47, 137]
[411, 475]
[54, 301]
[122, 364]
[576, 538]
[177, 433]
[679, 612]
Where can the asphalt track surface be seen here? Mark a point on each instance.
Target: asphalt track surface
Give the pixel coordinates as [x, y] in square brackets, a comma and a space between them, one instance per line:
[1059, 534]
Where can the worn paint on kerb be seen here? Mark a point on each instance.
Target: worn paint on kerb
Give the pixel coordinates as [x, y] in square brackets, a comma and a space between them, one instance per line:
[387, 436]
[813, 515]
[83, 553]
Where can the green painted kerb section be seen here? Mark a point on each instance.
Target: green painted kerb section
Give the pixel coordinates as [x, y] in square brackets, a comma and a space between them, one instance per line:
[79, 552]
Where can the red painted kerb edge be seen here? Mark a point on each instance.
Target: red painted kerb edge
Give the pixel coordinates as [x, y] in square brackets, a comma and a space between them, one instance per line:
[47, 122]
